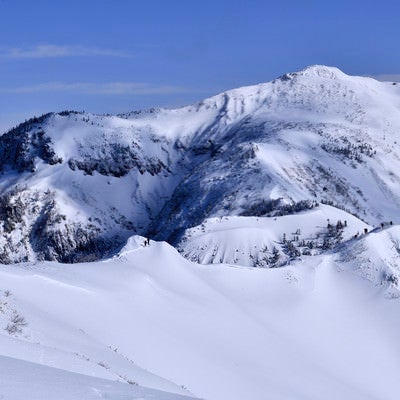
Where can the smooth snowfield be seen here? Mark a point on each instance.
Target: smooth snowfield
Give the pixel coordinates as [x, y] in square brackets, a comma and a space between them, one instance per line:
[315, 329]
[25, 380]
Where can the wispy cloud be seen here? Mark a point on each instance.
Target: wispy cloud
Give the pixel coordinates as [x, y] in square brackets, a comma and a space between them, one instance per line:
[110, 88]
[57, 51]
[387, 77]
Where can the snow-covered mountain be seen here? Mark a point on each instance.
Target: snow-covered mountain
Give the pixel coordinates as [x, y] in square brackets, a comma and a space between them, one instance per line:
[281, 203]
[74, 186]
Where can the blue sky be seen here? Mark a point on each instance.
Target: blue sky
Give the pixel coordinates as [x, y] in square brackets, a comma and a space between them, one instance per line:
[120, 55]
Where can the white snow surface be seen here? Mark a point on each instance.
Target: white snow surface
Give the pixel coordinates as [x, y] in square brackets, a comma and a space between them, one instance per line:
[25, 380]
[315, 329]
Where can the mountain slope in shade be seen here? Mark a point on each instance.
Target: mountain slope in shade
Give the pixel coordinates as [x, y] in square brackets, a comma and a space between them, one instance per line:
[75, 186]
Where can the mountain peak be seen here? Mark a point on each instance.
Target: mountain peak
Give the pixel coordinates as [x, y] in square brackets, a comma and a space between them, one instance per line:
[318, 71]
[321, 70]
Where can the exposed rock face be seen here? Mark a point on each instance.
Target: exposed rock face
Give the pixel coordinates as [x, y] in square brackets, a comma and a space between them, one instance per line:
[21, 146]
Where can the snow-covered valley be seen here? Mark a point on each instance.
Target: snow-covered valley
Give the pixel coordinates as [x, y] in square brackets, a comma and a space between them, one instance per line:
[273, 265]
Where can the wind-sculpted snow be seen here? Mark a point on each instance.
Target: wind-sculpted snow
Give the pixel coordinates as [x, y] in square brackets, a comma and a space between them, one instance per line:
[75, 186]
[149, 324]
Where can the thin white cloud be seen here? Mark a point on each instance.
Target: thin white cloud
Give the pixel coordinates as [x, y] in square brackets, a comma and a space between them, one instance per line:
[387, 77]
[57, 51]
[110, 88]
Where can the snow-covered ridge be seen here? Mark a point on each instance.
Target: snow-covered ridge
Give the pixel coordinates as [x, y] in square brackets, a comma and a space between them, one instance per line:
[321, 71]
[269, 242]
[74, 186]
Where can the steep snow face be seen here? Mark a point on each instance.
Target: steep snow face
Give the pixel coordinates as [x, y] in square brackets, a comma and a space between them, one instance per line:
[314, 329]
[75, 186]
[375, 257]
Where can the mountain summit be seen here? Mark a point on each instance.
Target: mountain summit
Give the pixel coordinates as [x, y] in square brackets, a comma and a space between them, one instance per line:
[75, 186]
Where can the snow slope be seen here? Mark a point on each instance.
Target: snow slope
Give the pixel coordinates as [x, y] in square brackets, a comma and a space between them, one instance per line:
[74, 186]
[249, 241]
[316, 329]
[25, 380]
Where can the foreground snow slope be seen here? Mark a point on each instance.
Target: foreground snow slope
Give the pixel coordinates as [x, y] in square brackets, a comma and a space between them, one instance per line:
[74, 186]
[315, 329]
[20, 380]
